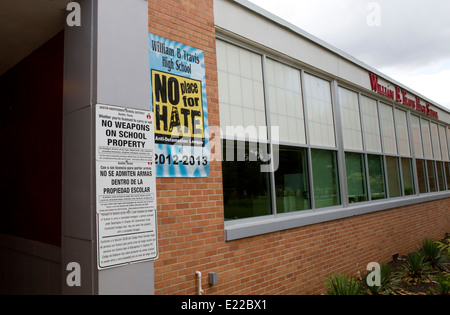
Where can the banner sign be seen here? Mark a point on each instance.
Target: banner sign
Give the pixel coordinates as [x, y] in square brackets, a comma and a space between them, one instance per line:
[178, 86]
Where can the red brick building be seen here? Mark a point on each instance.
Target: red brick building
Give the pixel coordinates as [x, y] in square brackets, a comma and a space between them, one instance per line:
[362, 173]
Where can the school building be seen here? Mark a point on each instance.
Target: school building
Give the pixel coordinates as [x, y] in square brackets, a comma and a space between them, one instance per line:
[163, 147]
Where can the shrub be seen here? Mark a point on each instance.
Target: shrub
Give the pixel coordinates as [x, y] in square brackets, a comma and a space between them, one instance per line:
[433, 254]
[389, 281]
[415, 268]
[445, 248]
[443, 284]
[343, 285]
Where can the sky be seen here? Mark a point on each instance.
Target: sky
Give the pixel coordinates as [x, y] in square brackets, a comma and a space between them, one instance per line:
[408, 40]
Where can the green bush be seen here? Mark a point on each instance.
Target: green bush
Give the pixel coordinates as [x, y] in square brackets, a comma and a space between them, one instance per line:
[338, 284]
[389, 281]
[445, 248]
[433, 255]
[415, 268]
[443, 282]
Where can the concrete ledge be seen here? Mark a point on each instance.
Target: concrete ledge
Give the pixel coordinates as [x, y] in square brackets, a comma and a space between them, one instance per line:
[244, 228]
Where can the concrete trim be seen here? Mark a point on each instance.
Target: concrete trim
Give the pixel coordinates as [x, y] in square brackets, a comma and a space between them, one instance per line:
[235, 230]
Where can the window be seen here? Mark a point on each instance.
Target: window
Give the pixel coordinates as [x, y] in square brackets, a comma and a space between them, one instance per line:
[393, 173]
[421, 176]
[356, 177]
[402, 132]
[320, 111]
[444, 146]
[388, 129]
[436, 144]
[291, 180]
[286, 106]
[447, 174]
[448, 139]
[371, 124]
[376, 177]
[431, 176]
[416, 135]
[408, 181]
[440, 175]
[386, 149]
[325, 177]
[246, 189]
[426, 137]
[241, 92]
[350, 120]
[241, 98]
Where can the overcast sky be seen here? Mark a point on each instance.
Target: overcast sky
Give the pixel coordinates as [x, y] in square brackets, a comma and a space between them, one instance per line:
[409, 40]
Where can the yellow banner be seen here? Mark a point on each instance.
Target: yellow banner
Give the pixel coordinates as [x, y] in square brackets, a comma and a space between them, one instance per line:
[178, 109]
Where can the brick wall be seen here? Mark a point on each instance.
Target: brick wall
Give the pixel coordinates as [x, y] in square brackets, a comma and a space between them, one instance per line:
[297, 261]
[190, 211]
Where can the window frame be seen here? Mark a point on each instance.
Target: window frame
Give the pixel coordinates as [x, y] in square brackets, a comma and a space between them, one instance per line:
[280, 221]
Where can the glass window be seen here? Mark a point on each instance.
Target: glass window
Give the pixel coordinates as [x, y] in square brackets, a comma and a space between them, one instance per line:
[286, 105]
[402, 132]
[448, 139]
[408, 181]
[426, 138]
[325, 176]
[320, 111]
[444, 146]
[422, 176]
[447, 174]
[356, 177]
[431, 176]
[440, 175]
[416, 135]
[246, 189]
[291, 180]
[241, 92]
[376, 177]
[351, 120]
[388, 129]
[436, 142]
[393, 177]
[371, 124]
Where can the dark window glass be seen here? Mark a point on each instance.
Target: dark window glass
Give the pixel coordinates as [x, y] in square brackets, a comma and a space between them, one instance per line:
[431, 176]
[421, 176]
[246, 189]
[447, 172]
[408, 181]
[393, 177]
[325, 176]
[440, 175]
[291, 180]
[356, 177]
[376, 177]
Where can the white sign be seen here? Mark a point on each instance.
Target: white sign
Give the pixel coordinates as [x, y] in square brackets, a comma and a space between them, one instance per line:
[125, 187]
[123, 134]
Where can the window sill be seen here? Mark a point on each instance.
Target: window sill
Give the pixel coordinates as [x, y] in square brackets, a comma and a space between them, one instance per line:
[244, 228]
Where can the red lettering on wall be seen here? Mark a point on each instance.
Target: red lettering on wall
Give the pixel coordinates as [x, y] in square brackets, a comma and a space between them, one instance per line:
[400, 96]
